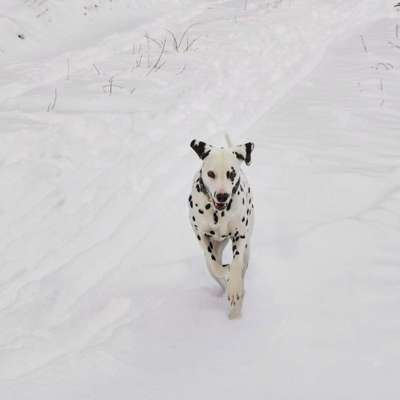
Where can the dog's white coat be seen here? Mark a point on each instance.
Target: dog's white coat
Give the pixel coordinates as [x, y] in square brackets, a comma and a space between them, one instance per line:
[237, 220]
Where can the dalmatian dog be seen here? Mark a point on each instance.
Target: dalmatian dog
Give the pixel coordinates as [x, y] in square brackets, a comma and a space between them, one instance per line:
[221, 210]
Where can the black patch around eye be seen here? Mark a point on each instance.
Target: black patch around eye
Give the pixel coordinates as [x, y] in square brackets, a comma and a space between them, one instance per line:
[231, 174]
[211, 174]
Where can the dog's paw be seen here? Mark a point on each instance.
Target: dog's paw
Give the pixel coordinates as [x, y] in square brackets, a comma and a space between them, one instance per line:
[234, 289]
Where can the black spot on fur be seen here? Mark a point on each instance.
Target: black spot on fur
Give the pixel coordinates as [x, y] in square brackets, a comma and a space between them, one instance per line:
[201, 211]
[223, 214]
[243, 219]
[212, 233]
[215, 218]
[202, 186]
[193, 218]
[208, 206]
[212, 257]
[236, 187]
[198, 237]
[228, 207]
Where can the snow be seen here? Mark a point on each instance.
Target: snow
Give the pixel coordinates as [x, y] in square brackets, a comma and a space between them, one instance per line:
[103, 289]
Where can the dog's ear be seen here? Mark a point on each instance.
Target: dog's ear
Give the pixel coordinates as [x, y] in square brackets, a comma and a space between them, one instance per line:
[243, 152]
[202, 149]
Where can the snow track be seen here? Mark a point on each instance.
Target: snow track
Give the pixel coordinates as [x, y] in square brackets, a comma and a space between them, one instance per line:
[103, 290]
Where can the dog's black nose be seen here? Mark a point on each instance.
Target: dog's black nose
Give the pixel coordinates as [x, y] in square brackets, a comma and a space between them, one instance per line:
[222, 197]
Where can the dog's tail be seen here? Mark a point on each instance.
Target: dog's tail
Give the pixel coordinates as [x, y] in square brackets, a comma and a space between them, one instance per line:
[228, 139]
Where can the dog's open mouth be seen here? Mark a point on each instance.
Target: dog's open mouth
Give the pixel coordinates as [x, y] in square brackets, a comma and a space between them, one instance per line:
[220, 206]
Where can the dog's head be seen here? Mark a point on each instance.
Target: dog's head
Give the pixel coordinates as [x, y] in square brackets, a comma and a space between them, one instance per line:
[220, 171]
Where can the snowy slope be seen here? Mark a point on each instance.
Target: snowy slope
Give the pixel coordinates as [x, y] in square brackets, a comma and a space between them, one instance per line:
[103, 291]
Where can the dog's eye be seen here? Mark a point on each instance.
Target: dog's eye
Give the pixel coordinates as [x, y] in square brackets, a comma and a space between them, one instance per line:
[211, 174]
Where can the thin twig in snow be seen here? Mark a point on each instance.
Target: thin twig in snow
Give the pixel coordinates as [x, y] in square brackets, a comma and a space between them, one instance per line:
[363, 43]
[97, 70]
[189, 44]
[52, 104]
[181, 71]
[148, 52]
[147, 36]
[394, 45]
[156, 66]
[178, 43]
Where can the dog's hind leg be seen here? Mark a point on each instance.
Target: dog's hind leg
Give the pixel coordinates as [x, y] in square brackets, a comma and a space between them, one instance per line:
[246, 258]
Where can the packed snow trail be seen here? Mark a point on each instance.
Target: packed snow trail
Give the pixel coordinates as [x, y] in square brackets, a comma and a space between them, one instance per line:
[104, 292]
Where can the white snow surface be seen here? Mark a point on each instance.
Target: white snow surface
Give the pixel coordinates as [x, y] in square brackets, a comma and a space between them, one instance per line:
[103, 288]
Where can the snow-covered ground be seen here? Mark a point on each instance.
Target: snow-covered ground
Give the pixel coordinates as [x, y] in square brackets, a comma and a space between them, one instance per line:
[103, 289]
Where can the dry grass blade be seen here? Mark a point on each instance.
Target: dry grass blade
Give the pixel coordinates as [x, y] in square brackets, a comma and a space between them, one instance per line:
[157, 65]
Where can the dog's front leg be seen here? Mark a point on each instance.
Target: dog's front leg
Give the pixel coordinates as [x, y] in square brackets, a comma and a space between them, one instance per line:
[216, 269]
[235, 285]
